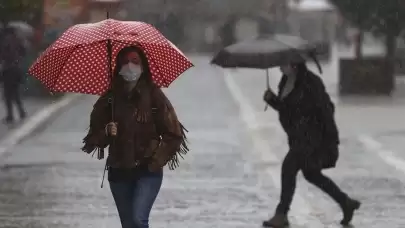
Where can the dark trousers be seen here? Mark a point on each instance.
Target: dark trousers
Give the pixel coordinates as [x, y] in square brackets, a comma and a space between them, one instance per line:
[11, 97]
[292, 164]
[11, 92]
[134, 198]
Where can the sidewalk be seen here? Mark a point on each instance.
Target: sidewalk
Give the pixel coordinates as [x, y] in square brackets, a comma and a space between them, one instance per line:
[51, 183]
[368, 168]
[59, 186]
[230, 178]
[31, 105]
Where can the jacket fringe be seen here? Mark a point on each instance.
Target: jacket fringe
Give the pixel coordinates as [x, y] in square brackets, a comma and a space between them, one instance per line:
[92, 149]
[174, 162]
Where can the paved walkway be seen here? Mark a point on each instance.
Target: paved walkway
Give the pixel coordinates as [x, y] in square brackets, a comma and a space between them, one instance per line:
[220, 184]
[229, 179]
[31, 105]
[372, 161]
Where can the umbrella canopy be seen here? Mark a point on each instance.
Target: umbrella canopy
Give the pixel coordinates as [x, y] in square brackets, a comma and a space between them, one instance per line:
[22, 28]
[266, 52]
[79, 60]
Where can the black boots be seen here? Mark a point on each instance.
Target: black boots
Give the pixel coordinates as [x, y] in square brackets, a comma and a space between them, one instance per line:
[349, 206]
[277, 221]
[348, 209]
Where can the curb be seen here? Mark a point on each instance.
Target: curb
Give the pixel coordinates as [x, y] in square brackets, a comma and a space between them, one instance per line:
[29, 126]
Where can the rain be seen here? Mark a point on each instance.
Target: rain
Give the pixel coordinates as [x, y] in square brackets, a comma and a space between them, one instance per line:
[230, 71]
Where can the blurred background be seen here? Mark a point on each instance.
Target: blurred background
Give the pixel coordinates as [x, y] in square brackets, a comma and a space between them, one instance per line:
[204, 26]
[230, 178]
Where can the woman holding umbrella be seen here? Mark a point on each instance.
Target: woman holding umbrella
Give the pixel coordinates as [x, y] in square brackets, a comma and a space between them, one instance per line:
[143, 137]
[125, 63]
[307, 115]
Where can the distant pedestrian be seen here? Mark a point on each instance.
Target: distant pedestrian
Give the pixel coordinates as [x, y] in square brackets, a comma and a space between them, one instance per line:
[307, 115]
[227, 31]
[143, 135]
[12, 51]
[171, 27]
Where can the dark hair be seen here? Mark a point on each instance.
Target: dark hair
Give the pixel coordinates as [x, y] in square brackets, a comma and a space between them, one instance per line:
[117, 80]
[300, 67]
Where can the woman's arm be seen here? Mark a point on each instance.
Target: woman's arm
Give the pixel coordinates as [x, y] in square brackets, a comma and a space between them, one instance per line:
[272, 99]
[173, 143]
[96, 138]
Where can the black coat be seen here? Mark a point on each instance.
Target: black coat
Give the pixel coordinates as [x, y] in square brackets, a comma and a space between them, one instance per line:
[307, 117]
[12, 52]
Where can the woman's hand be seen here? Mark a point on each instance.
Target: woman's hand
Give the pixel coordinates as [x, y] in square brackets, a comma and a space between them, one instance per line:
[268, 94]
[111, 129]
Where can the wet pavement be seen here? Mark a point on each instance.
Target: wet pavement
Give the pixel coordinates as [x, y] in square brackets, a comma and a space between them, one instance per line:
[372, 162]
[229, 179]
[31, 105]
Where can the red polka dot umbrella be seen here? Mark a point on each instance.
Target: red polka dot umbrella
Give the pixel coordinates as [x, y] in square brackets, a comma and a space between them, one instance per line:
[78, 61]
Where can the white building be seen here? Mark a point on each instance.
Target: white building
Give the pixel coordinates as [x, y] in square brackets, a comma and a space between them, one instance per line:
[314, 20]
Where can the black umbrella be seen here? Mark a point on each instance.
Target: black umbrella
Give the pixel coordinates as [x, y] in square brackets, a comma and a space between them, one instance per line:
[267, 52]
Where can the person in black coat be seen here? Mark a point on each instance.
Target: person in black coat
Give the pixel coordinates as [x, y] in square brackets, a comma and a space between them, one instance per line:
[12, 52]
[306, 114]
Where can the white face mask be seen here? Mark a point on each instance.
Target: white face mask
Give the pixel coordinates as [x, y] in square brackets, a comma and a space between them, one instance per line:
[131, 72]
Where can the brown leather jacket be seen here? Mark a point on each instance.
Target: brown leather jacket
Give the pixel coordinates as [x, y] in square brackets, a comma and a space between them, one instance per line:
[148, 129]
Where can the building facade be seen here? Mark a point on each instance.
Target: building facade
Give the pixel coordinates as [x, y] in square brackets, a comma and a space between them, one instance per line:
[206, 25]
[193, 25]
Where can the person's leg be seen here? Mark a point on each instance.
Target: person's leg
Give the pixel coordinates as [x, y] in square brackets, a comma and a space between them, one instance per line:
[12, 79]
[123, 193]
[18, 101]
[8, 100]
[146, 190]
[323, 182]
[316, 178]
[289, 171]
[18, 80]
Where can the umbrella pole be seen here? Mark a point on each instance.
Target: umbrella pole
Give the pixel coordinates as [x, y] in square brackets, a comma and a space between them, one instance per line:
[110, 73]
[110, 100]
[268, 86]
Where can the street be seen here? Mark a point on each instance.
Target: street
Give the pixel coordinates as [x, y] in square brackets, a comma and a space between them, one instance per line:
[231, 176]
[31, 105]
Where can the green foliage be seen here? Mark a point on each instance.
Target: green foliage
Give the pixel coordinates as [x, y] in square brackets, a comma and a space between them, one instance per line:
[379, 16]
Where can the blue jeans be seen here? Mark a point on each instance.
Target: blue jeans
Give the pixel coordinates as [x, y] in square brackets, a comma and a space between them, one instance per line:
[134, 198]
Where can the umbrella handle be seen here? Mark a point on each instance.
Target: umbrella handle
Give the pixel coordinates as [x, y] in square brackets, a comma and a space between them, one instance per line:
[313, 56]
[268, 86]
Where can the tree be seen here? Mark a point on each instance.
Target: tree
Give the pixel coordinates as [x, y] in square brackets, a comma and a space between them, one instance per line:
[25, 10]
[385, 18]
